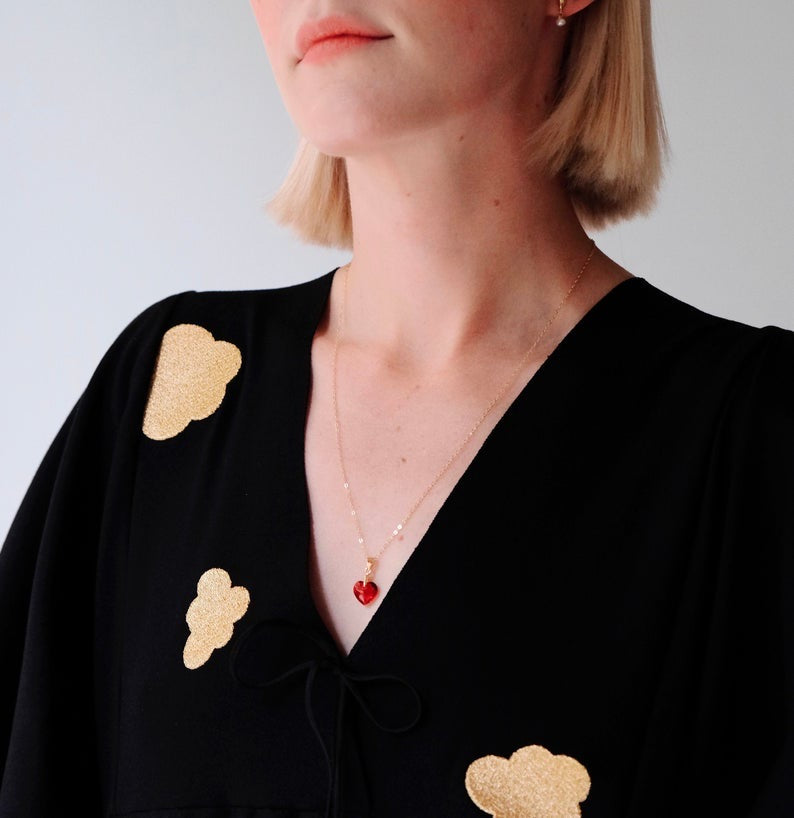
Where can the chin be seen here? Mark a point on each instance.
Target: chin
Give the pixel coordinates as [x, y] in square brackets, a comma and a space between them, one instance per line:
[345, 137]
[338, 147]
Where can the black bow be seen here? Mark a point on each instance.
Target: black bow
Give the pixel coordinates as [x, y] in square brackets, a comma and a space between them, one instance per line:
[272, 651]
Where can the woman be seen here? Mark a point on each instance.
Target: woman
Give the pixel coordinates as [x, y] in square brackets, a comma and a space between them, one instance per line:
[479, 523]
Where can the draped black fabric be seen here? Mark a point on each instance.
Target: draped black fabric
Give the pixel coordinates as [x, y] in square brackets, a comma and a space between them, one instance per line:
[618, 588]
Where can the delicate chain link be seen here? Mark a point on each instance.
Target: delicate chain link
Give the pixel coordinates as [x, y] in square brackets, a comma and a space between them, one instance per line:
[511, 378]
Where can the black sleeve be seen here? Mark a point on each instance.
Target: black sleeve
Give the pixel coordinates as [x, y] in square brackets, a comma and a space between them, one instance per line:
[745, 721]
[765, 520]
[57, 597]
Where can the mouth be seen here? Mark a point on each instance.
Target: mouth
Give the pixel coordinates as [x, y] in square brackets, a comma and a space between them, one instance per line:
[317, 39]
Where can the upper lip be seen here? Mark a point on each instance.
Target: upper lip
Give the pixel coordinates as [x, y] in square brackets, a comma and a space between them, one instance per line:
[337, 25]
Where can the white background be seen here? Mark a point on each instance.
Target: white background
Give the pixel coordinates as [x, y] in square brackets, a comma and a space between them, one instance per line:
[140, 140]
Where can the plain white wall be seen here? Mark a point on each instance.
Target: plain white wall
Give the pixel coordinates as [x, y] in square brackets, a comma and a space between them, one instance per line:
[140, 140]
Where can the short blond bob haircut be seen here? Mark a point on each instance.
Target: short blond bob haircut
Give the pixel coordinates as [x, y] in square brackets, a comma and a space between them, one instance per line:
[605, 134]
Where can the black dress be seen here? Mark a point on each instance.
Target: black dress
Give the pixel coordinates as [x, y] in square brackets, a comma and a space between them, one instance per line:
[599, 619]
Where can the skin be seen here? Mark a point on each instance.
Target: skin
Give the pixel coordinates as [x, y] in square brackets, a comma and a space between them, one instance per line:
[460, 257]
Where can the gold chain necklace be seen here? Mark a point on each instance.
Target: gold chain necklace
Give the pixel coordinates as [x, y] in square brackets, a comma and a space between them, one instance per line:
[366, 590]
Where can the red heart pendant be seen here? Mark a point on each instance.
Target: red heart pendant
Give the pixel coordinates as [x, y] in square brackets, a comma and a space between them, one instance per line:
[365, 591]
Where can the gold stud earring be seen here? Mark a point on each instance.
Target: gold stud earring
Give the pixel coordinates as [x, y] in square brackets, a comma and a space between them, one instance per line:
[561, 21]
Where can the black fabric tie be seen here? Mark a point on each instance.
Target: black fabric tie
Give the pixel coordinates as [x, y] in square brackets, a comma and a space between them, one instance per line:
[273, 651]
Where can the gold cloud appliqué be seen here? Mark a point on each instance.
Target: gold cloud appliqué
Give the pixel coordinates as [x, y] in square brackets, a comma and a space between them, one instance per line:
[532, 783]
[211, 615]
[189, 381]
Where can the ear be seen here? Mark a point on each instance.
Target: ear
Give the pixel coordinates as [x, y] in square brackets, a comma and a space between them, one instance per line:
[569, 7]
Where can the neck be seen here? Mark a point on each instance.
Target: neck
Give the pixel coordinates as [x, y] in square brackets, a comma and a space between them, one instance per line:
[457, 242]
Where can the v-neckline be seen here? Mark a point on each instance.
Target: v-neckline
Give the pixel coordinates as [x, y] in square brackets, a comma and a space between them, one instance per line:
[564, 349]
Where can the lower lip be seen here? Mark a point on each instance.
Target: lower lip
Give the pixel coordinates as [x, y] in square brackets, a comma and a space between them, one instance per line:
[332, 46]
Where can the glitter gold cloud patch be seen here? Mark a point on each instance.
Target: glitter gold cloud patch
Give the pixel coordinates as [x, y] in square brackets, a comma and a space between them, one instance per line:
[189, 381]
[532, 783]
[211, 615]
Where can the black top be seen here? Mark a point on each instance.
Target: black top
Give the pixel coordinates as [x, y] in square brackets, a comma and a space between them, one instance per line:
[600, 617]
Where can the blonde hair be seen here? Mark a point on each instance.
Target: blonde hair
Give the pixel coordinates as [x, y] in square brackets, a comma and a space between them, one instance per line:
[605, 134]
